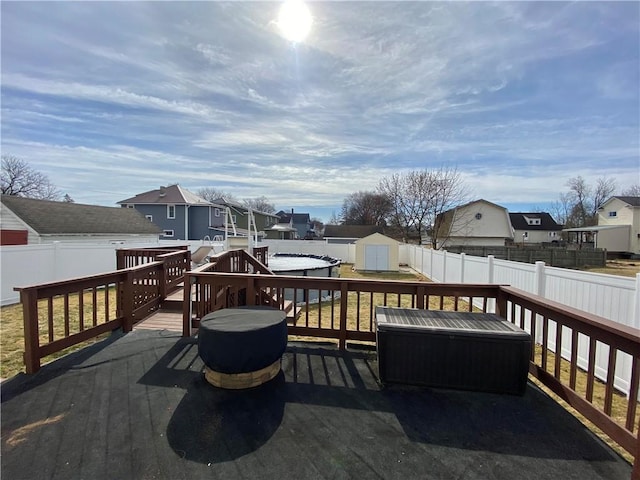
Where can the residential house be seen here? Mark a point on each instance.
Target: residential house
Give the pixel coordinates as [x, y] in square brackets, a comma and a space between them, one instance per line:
[181, 214]
[348, 233]
[240, 217]
[29, 220]
[619, 223]
[532, 228]
[281, 231]
[300, 221]
[477, 223]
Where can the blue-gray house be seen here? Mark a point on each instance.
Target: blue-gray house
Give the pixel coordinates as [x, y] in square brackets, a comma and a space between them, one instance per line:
[181, 214]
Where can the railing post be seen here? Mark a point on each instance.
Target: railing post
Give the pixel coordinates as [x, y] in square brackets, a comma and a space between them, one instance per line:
[636, 304]
[127, 301]
[251, 291]
[29, 301]
[187, 305]
[462, 258]
[120, 259]
[344, 301]
[162, 280]
[501, 304]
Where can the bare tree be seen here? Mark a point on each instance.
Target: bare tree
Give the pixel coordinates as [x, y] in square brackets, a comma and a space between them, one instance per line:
[211, 194]
[585, 200]
[561, 209]
[21, 180]
[365, 208]
[632, 191]
[603, 190]
[418, 197]
[334, 219]
[261, 204]
[67, 198]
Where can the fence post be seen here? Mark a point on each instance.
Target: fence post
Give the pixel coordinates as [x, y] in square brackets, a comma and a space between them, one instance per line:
[462, 258]
[490, 268]
[636, 306]
[444, 266]
[29, 301]
[539, 279]
[431, 265]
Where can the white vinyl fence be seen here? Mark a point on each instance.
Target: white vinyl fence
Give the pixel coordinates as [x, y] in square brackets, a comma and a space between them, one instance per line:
[24, 265]
[609, 296]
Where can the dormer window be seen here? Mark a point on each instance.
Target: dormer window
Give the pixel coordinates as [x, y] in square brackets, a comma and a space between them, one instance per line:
[613, 214]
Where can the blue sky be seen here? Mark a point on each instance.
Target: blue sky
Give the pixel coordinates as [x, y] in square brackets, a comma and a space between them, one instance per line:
[114, 99]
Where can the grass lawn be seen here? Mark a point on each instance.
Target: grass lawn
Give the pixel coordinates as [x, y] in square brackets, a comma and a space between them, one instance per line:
[12, 327]
[624, 268]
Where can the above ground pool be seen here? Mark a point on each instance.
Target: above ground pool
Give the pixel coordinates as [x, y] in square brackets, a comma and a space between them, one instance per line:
[304, 265]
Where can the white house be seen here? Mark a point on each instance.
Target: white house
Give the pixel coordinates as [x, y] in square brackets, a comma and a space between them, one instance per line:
[478, 223]
[530, 228]
[29, 221]
[619, 222]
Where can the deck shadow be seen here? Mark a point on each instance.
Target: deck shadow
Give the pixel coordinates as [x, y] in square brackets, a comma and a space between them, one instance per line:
[212, 425]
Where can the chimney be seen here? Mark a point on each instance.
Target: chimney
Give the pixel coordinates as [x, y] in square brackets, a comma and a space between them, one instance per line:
[162, 191]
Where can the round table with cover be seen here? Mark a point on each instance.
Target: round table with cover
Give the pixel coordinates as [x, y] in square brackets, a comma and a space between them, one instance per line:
[242, 347]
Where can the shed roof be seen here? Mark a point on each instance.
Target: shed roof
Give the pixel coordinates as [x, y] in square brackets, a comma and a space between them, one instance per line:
[48, 218]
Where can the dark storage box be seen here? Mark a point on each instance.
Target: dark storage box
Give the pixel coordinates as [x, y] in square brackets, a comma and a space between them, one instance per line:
[470, 351]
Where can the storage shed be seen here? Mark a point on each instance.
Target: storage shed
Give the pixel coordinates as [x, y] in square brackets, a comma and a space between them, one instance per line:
[377, 253]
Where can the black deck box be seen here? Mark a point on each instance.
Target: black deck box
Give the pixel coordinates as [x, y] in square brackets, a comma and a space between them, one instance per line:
[460, 350]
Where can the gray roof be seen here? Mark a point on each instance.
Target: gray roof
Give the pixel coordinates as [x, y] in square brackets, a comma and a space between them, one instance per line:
[351, 231]
[48, 218]
[633, 201]
[173, 194]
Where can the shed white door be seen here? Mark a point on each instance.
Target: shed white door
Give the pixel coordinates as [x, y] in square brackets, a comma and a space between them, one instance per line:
[376, 257]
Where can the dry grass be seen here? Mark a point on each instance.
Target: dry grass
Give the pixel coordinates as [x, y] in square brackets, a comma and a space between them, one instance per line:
[624, 268]
[619, 403]
[12, 327]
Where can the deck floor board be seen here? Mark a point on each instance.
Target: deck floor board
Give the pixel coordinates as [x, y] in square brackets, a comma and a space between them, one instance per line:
[137, 406]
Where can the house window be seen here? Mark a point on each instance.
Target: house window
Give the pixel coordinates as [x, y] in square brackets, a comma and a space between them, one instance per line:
[167, 233]
[233, 219]
[130, 206]
[613, 214]
[478, 216]
[149, 217]
[171, 211]
[216, 212]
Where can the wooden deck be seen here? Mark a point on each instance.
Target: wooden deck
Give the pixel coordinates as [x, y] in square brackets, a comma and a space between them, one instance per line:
[137, 406]
[161, 320]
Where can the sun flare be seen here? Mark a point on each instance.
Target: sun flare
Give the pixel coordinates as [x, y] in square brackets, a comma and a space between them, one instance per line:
[294, 20]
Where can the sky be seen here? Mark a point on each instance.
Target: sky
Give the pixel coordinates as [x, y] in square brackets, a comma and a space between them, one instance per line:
[114, 99]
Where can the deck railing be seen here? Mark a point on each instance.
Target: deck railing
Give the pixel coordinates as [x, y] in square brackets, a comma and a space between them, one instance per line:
[58, 315]
[347, 314]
